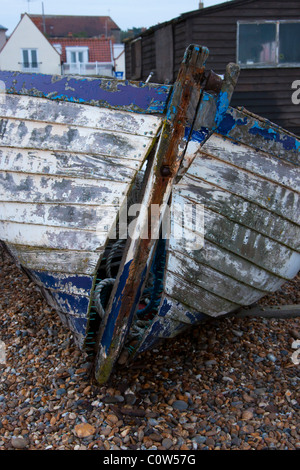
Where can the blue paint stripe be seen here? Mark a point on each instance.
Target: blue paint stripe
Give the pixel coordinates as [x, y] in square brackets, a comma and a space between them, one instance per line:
[288, 142]
[137, 97]
[165, 308]
[73, 305]
[233, 124]
[64, 282]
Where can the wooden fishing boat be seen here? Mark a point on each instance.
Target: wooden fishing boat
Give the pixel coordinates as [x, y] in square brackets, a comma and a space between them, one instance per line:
[76, 153]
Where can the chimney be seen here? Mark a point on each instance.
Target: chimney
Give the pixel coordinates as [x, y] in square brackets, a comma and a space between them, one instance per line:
[201, 5]
[2, 36]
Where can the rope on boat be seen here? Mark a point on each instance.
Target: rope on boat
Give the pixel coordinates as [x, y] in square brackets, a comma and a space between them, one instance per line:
[112, 253]
[100, 295]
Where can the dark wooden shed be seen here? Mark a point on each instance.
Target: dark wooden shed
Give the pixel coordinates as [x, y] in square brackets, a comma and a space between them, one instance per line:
[263, 36]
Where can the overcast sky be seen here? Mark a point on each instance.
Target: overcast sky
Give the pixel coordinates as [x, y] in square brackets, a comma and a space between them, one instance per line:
[126, 13]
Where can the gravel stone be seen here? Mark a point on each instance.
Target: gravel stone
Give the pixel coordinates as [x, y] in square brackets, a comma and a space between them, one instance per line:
[84, 430]
[19, 443]
[167, 443]
[180, 405]
[228, 384]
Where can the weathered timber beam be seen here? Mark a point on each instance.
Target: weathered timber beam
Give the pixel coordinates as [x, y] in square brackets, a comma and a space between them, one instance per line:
[184, 103]
[269, 311]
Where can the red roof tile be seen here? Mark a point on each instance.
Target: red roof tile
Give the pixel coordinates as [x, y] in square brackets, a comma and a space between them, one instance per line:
[100, 49]
[85, 26]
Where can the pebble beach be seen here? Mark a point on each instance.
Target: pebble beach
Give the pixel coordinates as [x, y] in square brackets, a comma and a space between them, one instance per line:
[229, 384]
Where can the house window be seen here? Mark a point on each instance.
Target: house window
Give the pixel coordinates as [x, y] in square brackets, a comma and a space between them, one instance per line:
[268, 44]
[77, 55]
[29, 60]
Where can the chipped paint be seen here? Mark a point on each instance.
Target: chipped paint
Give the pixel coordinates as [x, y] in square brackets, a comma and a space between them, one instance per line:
[241, 126]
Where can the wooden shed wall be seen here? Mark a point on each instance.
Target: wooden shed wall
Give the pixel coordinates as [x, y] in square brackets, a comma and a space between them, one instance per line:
[265, 91]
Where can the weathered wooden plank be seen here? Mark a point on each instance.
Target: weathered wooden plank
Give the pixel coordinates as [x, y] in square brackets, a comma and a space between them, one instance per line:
[52, 237]
[16, 187]
[163, 55]
[67, 164]
[239, 210]
[39, 109]
[211, 280]
[260, 250]
[108, 93]
[59, 137]
[254, 161]
[276, 198]
[196, 297]
[60, 215]
[230, 263]
[53, 260]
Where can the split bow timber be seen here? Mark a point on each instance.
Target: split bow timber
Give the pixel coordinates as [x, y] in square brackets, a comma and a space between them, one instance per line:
[76, 153]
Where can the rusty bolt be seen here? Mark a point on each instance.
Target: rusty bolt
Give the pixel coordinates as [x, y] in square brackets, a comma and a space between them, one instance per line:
[165, 170]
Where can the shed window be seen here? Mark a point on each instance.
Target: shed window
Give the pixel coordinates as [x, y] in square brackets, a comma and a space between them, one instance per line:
[289, 43]
[268, 44]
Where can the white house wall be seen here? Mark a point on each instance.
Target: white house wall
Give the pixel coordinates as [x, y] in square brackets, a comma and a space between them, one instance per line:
[119, 58]
[27, 36]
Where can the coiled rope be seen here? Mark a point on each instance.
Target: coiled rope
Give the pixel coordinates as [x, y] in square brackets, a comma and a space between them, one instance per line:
[100, 295]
